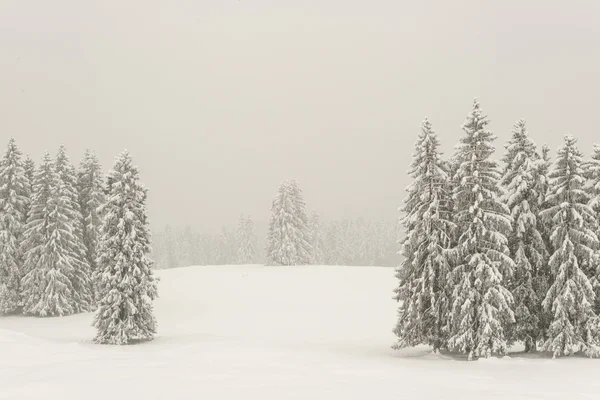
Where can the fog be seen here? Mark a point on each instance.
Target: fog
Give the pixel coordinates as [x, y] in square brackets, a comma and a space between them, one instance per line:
[218, 101]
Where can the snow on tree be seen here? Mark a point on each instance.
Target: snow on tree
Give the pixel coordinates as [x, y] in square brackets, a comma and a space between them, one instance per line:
[574, 243]
[544, 276]
[542, 190]
[423, 290]
[90, 185]
[592, 187]
[288, 237]
[302, 223]
[317, 242]
[81, 277]
[124, 276]
[246, 241]
[29, 167]
[14, 202]
[526, 244]
[47, 287]
[481, 309]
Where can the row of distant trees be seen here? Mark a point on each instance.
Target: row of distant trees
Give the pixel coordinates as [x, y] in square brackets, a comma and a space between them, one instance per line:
[339, 242]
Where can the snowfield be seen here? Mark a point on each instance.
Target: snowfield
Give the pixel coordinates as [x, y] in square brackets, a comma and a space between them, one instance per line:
[254, 332]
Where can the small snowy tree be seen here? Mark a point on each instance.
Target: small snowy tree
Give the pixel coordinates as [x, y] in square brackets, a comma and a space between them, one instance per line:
[125, 281]
[526, 244]
[481, 309]
[574, 242]
[47, 287]
[14, 202]
[81, 278]
[246, 241]
[423, 290]
[90, 185]
[287, 240]
[317, 243]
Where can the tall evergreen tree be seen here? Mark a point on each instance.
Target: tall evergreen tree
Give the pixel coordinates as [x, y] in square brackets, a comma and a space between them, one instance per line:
[47, 287]
[317, 242]
[287, 240]
[481, 309]
[526, 244]
[423, 290]
[125, 281]
[14, 202]
[246, 241]
[574, 243]
[81, 279]
[90, 185]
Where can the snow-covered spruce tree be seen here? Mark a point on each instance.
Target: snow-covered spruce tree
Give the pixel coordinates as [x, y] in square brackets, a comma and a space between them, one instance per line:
[542, 184]
[302, 223]
[592, 175]
[14, 202]
[526, 244]
[281, 237]
[574, 325]
[47, 287]
[246, 241]
[29, 167]
[81, 277]
[317, 242]
[125, 281]
[90, 185]
[423, 291]
[481, 308]
[287, 239]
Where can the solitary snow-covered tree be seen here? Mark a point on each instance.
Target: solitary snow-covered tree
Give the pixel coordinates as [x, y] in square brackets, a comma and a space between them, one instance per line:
[574, 325]
[125, 281]
[14, 202]
[90, 185]
[423, 291]
[317, 242]
[526, 244]
[481, 309]
[47, 287]
[67, 187]
[287, 240]
[246, 241]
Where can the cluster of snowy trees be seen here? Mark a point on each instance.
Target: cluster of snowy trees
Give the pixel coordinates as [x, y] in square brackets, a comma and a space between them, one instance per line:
[496, 255]
[72, 242]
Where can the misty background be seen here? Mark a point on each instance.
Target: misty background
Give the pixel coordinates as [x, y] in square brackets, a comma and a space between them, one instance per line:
[219, 101]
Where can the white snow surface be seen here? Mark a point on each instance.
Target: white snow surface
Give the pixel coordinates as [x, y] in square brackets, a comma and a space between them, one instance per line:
[255, 332]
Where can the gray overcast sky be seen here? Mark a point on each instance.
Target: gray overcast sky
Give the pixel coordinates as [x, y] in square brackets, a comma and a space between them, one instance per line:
[220, 100]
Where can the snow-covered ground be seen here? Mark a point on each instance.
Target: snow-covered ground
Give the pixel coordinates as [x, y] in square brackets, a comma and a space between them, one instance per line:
[254, 332]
